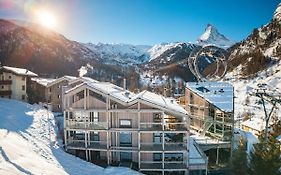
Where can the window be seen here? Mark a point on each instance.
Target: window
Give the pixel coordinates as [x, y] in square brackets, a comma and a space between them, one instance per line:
[157, 156]
[125, 139]
[94, 117]
[10, 77]
[23, 97]
[58, 106]
[157, 118]
[23, 87]
[50, 89]
[125, 123]
[94, 136]
[58, 86]
[22, 78]
[58, 96]
[157, 138]
[2, 87]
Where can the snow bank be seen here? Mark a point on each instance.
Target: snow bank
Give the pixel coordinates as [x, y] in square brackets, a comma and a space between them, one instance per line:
[28, 144]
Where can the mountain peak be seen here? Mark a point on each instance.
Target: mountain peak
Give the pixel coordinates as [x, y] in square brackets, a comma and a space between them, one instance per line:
[277, 13]
[213, 37]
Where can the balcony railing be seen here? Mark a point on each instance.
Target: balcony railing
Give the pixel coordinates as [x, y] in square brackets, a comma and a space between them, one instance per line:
[176, 146]
[97, 145]
[157, 165]
[151, 147]
[86, 125]
[5, 82]
[76, 144]
[151, 126]
[8, 92]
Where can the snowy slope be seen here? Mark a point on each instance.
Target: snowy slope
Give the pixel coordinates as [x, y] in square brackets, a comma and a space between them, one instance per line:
[245, 103]
[213, 37]
[28, 144]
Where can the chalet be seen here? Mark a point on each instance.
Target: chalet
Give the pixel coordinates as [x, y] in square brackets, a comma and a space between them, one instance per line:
[211, 107]
[108, 125]
[14, 82]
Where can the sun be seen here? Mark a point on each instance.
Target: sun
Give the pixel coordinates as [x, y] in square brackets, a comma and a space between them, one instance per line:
[46, 18]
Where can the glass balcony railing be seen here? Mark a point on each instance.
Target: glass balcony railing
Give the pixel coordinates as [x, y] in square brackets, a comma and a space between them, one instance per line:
[87, 125]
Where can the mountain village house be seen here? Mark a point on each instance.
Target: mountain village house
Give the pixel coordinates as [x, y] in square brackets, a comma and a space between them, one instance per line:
[108, 125]
[14, 82]
[211, 108]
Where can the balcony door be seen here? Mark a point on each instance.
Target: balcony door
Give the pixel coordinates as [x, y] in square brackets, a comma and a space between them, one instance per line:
[125, 139]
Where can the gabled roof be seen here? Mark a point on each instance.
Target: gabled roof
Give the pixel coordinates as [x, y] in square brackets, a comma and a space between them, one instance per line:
[43, 81]
[220, 94]
[66, 77]
[19, 71]
[129, 98]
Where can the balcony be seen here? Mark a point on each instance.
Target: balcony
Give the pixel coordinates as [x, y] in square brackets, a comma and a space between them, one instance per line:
[97, 145]
[158, 165]
[154, 147]
[5, 82]
[76, 144]
[86, 125]
[151, 147]
[8, 92]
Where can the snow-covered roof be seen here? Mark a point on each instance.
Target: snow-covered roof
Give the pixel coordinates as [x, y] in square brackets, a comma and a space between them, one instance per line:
[220, 94]
[255, 123]
[66, 77]
[20, 71]
[128, 97]
[43, 81]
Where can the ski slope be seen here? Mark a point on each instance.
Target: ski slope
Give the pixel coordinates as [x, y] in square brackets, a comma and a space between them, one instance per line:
[29, 145]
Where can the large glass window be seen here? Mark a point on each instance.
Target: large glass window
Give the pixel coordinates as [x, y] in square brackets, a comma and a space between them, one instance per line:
[157, 156]
[126, 156]
[125, 139]
[157, 138]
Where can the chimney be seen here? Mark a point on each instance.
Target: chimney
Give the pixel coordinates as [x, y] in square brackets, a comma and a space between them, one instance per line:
[124, 84]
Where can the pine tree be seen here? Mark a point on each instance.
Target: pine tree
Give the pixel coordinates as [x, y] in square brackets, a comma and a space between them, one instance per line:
[266, 156]
[238, 163]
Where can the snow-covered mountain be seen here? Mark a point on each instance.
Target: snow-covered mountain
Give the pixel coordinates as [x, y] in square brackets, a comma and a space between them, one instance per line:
[260, 50]
[212, 36]
[256, 60]
[123, 54]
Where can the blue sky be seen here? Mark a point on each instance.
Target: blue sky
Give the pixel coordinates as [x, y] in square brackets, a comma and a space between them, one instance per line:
[147, 21]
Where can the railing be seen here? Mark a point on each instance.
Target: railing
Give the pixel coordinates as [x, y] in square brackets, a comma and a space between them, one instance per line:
[175, 127]
[86, 125]
[76, 143]
[151, 165]
[175, 146]
[97, 145]
[151, 126]
[156, 165]
[5, 82]
[151, 147]
[8, 92]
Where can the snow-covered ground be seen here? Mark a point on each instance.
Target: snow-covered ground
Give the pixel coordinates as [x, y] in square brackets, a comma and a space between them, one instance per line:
[29, 145]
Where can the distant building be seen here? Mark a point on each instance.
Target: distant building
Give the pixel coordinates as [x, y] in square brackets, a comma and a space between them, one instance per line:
[255, 125]
[211, 107]
[108, 125]
[14, 82]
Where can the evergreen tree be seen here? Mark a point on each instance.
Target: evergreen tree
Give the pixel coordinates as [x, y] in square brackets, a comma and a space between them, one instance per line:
[265, 159]
[238, 163]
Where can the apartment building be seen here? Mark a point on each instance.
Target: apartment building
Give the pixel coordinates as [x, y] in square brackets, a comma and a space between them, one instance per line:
[54, 92]
[211, 107]
[14, 82]
[108, 125]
